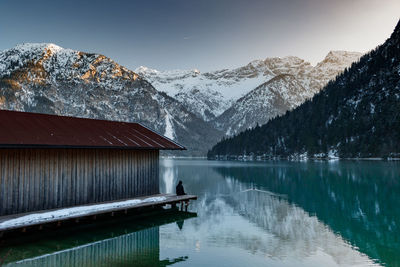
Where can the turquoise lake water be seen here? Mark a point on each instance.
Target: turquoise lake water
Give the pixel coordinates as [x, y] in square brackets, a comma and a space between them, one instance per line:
[340, 213]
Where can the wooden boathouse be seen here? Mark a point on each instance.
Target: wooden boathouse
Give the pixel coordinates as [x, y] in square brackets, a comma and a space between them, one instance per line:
[50, 162]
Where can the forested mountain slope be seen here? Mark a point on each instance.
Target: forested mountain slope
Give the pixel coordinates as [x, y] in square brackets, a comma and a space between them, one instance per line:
[356, 115]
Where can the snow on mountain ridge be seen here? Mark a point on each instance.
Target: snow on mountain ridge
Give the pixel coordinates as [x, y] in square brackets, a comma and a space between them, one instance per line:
[13, 58]
[50, 79]
[268, 100]
[46, 78]
[209, 94]
[293, 84]
[60, 61]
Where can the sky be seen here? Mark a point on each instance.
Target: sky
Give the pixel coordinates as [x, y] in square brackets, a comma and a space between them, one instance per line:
[202, 34]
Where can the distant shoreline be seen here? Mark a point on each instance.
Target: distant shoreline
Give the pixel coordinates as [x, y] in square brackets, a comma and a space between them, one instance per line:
[182, 157]
[284, 159]
[310, 159]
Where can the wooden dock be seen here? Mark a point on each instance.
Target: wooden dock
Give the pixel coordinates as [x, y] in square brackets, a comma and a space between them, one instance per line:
[37, 219]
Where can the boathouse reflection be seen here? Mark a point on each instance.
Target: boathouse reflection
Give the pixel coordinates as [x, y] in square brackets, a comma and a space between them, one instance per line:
[121, 245]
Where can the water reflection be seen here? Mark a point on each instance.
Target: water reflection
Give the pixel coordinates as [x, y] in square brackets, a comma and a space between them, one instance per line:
[358, 200]
[169, 177]
[180, 224]
[137, 247]
[294, 232]
[248, 214]
[329, 214]
[120, 243]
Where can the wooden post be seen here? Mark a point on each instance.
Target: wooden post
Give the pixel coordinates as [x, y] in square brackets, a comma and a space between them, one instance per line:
[186, 206]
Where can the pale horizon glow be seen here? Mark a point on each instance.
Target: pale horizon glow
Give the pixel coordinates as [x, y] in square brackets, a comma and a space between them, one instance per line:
[205, 35]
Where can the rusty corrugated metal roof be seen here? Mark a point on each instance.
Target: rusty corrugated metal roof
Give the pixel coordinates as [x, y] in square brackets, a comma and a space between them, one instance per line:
[24, 129]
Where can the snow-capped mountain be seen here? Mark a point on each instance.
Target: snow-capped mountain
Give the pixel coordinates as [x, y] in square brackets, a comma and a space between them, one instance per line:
[267, 101]
[233, 99]
[289, 88]
[187, 87]
[354, 116]
[46, 78]
[193, 108]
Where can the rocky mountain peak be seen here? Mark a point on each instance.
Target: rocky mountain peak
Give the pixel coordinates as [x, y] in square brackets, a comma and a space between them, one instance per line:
[288, 82]
[46, 78]
[51, 64]
[284, 60]
[339, 58]
[36, 48]
[354, 116]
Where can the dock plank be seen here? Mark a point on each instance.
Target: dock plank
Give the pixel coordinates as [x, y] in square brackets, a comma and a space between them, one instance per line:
[5, 221]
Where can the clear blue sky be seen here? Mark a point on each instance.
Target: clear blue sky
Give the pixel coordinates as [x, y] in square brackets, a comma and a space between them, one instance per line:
[203, 34]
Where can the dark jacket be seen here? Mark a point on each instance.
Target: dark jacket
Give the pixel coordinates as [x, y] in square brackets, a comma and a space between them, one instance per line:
[179, 190]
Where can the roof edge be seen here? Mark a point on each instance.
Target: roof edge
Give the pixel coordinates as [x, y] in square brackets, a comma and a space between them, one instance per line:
[3, 146]
[15, 144]
[172, 141]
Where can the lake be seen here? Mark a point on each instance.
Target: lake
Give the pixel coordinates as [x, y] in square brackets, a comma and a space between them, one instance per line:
[339, 213]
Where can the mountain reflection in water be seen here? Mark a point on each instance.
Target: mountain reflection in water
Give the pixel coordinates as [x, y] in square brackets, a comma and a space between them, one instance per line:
[357, 200]
[342, 213]
[331, 213]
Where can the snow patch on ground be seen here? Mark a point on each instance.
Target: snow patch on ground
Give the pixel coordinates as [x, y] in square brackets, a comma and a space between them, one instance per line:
[75, 211]
[299, 157]
[169, 129]
[332, 154]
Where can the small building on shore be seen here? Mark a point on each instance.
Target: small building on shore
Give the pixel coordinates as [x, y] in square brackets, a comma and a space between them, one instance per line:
[49, 162]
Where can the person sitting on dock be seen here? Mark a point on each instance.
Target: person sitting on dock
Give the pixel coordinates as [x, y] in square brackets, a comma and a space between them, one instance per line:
[179, 189]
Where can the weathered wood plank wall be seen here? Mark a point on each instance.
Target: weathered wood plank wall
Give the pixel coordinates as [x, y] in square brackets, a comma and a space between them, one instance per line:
[37, 179]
